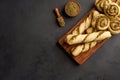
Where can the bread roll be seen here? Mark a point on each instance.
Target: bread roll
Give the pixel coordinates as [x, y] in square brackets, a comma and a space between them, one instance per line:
[114, 27]
[85, 38]
[82, 48]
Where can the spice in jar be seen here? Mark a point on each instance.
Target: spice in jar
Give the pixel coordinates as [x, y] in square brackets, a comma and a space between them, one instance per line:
[72, 8]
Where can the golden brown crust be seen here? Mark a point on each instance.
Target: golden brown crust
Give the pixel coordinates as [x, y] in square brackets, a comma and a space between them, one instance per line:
[95, 15]
[102, 22]
[85, 38]
[101, 3]
[82, 48]
[118, 2]
[114, 27]
[90, 30]
[83, 26]
[112, 10]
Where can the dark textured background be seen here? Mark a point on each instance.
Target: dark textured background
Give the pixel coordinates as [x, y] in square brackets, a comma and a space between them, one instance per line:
[29, 49]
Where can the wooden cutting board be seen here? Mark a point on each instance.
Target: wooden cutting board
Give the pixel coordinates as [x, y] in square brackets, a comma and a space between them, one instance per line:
[83, 56]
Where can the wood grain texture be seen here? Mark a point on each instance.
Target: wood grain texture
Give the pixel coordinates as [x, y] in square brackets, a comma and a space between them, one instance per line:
[81, 58]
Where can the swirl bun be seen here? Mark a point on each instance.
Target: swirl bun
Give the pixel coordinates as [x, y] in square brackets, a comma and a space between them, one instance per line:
[114, 27]
[112, 10]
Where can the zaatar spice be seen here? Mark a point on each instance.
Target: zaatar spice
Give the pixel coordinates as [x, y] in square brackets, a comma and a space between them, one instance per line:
[72, 8]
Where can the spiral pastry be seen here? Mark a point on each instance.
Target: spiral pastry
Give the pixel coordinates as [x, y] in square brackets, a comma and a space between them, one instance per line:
[102, 22]
[85, 38]
[101, 3]
[112, 10]
[114, 27]
[82, 48]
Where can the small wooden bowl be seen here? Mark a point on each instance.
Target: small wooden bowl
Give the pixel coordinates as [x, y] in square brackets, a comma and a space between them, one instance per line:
[72, 8]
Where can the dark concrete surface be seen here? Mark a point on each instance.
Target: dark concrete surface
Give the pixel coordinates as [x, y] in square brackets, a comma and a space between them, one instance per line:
[29, 49]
